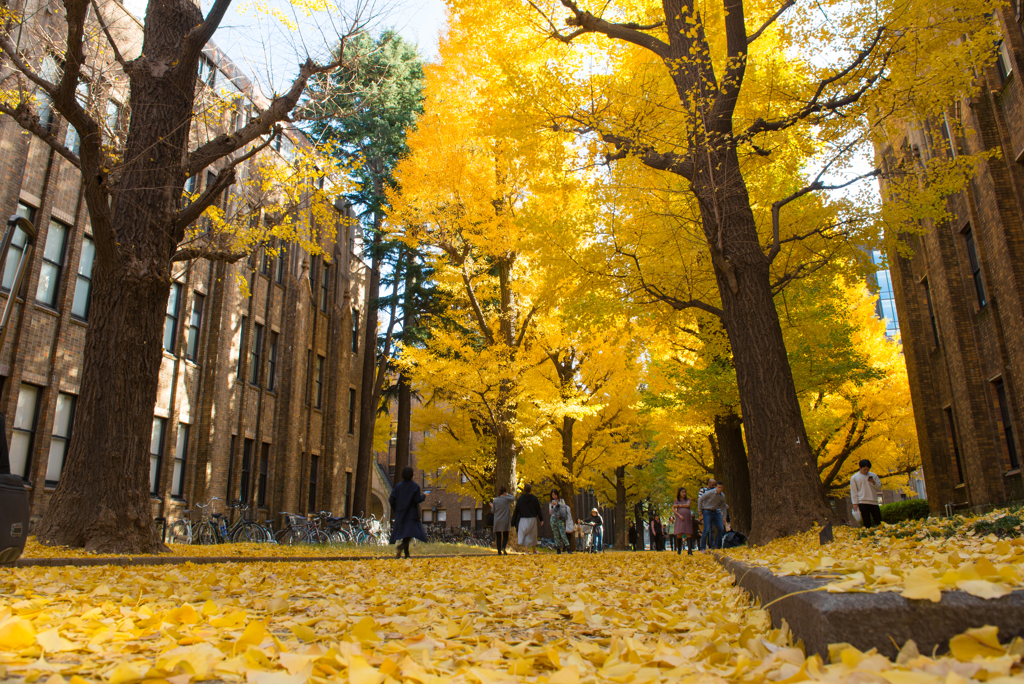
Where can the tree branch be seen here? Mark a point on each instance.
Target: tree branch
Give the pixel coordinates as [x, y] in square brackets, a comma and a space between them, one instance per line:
[125, 65]
[198, 37]
[813, 187]
[22, 66]
[631, 33]
[28, 120]
[190, 253]
[771, 20]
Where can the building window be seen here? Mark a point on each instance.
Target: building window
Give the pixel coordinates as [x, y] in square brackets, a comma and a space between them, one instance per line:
[156, 453]
[954, 448]
[479, 518]
[1007, 423]
[314, 467]
[972, 257]
[180, 456]
[428, 515]
[49, 70]
[466, 518]
[1003, 62]
[254, 354]
[351, 411]
[23, 435]
[272, 362]
[194, 325]
[190, 189]
[442, 515]
[325, 285]
[243, 480]
[17, 248]
[355, 331]
[53, 264]
[931, 312]
[83, 285]
[63, 420]
[265, 262]
[261, 483]
[171, 319]
[279, 267]
[72, 140]
[462, 478]
[947, 133]
[319, 389]
[241, 347]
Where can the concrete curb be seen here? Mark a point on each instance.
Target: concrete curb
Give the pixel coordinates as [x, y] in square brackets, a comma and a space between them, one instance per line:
[129, 561]
[884, 621]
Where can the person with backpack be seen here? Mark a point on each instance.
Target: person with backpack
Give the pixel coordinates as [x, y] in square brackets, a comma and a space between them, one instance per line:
[559, 514]
[713, 505]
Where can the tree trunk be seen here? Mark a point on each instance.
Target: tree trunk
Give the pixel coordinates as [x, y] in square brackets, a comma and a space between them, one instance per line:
[102, 502]
[504, 460]
[620, 508]
[367, 405]
[732, 469]
[404, 425]
[788, 498]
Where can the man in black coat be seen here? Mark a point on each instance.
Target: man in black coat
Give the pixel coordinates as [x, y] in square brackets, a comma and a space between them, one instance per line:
[406, 498]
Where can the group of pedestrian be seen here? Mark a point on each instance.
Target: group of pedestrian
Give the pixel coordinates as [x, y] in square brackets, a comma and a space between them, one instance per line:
[525, 516]
[684, 531]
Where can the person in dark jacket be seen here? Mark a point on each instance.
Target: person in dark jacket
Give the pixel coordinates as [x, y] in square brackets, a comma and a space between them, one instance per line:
[632, 536]
[526, 518]
[406, 498]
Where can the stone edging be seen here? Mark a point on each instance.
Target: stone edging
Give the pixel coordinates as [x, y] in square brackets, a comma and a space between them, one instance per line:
[882, 620]
[207, 560]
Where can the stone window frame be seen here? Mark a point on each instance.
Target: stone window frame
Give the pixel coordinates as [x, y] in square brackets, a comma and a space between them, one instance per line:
[1004, 417]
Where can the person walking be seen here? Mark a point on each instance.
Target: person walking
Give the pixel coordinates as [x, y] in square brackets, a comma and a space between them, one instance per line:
[405, 500]
[709, 487]
[632, 536]
[865, 487]
[658, 533]
[501, 508]
[558, 514]
[682, 522]
[526, 519]
[713, 505]
[597, 521]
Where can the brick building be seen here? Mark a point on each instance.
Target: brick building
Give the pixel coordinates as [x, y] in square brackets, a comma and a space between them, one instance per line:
[259, 385]
[960, 292]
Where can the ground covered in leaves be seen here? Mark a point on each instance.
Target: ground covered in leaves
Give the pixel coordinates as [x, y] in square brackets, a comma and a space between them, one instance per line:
[34, 549]
[616, 617]
[981, 555]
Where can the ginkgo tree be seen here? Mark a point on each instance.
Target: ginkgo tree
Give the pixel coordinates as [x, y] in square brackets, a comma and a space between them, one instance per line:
[142, 215]
[678, 87]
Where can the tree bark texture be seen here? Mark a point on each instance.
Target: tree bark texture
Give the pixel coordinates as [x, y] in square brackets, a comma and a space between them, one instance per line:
[781, 461]
[367, 405]
[732, 469]
[91, 507]
[404, 425]
[620, 508]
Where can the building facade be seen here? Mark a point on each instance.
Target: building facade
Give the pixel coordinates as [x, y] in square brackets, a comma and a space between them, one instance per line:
[959, 290]
[259, 385]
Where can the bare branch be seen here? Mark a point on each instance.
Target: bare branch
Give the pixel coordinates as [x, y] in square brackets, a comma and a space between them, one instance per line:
[212, 255]
[201, 34]
[771, 20]
[125, 65]
[663, 161]
[22, 66]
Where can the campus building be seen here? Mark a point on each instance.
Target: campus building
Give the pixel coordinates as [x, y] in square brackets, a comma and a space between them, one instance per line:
[259, 385]
[959, 290]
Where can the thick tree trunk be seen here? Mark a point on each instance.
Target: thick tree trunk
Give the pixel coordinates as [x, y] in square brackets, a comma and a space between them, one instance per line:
[504, 460]
[732, 469]
[102, 502]
[787, 497]
[620, 508]
[367, 405]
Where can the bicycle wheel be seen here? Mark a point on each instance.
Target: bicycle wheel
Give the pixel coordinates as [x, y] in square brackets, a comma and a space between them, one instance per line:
[205, 534]
[248, 532]
[181, 532]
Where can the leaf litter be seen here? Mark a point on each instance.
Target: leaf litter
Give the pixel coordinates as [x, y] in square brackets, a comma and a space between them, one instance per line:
[643, 617]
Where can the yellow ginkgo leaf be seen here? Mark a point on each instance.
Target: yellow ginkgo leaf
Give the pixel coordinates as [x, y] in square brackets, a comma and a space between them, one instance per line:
[981, 642]
[921, 585]
[984, 589]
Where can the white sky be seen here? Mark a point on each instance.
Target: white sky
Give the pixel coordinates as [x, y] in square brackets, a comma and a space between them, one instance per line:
[270, 54]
